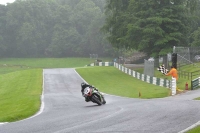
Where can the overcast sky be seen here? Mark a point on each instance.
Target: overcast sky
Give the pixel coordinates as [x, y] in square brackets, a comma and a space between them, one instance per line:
[6, 1]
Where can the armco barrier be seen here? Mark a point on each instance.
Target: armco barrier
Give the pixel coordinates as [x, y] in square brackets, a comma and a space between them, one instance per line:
[102, 64]
[195, 83]
[152, 80]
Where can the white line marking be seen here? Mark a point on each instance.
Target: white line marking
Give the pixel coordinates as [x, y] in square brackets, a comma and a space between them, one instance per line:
[41, 107]
[191, 127]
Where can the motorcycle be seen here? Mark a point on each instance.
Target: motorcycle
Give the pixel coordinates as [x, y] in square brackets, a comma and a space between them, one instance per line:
[94, 95]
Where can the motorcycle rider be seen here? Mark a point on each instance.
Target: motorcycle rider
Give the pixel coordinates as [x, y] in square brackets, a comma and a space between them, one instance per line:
[83, 86]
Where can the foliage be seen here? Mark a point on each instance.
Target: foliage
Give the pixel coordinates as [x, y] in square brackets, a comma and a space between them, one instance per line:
[196, 37]
[150, 26]
[53, 28]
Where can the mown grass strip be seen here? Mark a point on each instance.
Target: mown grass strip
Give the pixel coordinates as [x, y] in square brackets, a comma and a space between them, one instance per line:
[20, 93]
[112, 81]
[46, 62]
[194, 130]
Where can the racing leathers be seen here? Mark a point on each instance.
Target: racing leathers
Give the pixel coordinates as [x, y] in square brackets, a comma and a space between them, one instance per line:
[83, 86]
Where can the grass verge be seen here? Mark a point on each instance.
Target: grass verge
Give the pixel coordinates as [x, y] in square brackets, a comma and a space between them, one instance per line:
[20, 94]
[45, 62]
[112, 81]
[21, 84]
[194, 130]
[181, 80]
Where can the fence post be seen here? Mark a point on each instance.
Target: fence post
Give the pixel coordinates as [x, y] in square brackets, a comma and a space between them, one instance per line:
[191, 85]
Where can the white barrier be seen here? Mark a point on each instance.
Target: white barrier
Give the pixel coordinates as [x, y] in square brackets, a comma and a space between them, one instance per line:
[173, 86]
[146, 78]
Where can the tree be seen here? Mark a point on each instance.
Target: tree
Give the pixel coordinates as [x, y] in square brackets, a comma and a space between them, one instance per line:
[157, 26]
[150, 26]
[3, 47]
[195, 20]
[52, 28]
[116, 22]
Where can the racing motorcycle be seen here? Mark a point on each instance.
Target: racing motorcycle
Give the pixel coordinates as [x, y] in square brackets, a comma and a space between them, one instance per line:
[94, 95]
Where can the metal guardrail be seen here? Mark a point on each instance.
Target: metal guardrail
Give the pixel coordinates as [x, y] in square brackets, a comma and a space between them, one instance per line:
[184, 74]
[193, 76]
[194, 83]
[152, 80]
[189, 75]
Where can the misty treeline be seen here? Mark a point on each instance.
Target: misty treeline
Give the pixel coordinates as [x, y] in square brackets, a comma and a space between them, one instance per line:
[53, 28]
[152, 26]
[78, 28]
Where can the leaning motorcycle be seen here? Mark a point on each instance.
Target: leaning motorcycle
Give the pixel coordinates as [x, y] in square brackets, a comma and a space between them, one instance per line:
[94, 95]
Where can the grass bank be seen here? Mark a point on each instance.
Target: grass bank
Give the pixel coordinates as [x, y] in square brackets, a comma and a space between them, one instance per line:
[21, 84]
[182, 80]
[20, 94]
[194, 130]
[112, 81]
[45, 62]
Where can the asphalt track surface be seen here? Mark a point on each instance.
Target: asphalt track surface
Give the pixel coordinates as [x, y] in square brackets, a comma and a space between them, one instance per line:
[65, 111]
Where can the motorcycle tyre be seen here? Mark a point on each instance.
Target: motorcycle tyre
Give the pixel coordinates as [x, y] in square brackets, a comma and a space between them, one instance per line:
[96, 100]
[104, 101]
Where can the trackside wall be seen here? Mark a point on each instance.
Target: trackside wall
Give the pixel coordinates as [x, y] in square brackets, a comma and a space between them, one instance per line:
[146, 78]
[195, 83]
[102, 64]
[149, 79]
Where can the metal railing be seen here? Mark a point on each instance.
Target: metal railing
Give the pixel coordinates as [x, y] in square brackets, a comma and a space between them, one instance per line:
[189, 75]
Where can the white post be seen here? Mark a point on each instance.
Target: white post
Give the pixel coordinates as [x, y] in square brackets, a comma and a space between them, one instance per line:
[173, 86]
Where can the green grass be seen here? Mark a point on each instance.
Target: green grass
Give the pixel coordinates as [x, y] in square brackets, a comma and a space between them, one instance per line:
[20, 94]
[112, 81]
[21, 83]
[46, 62]
[198, 98]
[17, 64]
[182, 80]
[194, 130]
[8, 69]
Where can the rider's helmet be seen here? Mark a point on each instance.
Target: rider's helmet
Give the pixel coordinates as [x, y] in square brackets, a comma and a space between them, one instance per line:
[83, 84]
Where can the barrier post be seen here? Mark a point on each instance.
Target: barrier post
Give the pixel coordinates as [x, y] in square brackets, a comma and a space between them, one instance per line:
[173, 86]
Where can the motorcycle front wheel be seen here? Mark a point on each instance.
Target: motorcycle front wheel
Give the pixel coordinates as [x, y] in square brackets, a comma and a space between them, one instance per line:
[96, 100]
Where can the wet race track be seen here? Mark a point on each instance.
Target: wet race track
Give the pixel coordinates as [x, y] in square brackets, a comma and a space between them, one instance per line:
[65, 111]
